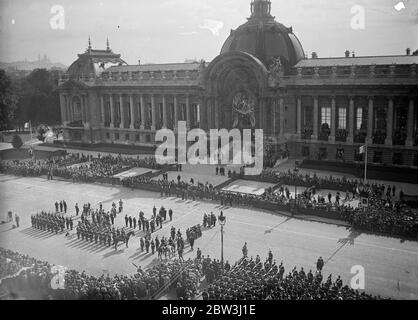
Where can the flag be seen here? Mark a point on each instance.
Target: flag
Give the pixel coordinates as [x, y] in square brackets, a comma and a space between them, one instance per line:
[362, 149]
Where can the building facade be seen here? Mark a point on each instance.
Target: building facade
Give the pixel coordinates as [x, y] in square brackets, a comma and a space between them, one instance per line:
[320, 108]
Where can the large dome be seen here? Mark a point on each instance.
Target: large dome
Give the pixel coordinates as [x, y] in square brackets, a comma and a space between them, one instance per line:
[265, 38]
[93, 62]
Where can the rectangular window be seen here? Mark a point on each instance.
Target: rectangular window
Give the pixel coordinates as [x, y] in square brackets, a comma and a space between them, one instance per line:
[116, 136]
[107, 135]
[127, 136]
[137, 137]
[161, 111]
[183, 112]
[342, 118]
[377, 157]
[148, 138]
[359, 118]
[326, 116]
[308, 116]
[397, 158]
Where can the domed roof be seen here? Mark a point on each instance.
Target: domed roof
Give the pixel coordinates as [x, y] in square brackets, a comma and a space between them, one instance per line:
[265, 38]
[93, 62]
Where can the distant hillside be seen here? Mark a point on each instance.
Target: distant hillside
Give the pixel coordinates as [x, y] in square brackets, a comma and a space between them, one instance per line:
[43, 63]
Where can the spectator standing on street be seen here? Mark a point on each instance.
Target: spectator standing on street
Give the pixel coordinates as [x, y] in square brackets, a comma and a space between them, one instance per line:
[17, 219]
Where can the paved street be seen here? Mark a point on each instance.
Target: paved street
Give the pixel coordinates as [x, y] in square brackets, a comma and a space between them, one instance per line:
[391, 265]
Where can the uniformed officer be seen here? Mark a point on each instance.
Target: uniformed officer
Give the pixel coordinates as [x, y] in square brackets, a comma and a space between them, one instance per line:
[152, 246]
[142, 244]
[147, 244]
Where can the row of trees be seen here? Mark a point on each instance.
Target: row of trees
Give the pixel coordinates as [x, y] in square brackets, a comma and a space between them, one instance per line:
[33, 98]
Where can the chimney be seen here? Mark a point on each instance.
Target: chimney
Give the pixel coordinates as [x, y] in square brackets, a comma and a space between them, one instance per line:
[354, 54]
[139, 62]
[314, 55]
[408, 51]
[347, 54]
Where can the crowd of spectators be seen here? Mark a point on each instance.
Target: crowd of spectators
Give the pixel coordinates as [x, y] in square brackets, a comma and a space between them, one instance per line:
[250, 279]
[181, 276]
[78, 167]
[247, 279]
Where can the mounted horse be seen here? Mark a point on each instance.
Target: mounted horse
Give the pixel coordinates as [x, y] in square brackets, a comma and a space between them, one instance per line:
[123, 238]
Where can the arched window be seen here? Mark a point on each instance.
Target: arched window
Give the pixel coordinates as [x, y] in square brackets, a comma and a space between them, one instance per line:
[77, 116]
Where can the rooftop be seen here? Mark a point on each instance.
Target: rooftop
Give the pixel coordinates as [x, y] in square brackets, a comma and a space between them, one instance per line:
[156, 67]
[358, 61]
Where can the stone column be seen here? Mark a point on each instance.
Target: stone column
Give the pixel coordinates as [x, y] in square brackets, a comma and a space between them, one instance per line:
[62, 109]
[153, 113]
[410, 126]
[112, 111]
[102, 109]
[260, 115]
[281, 115]
[216, 113]
[350, 136]
[315, 119]
[85, 110]
[333, 119]
[208, 112]
[176, 112]
[299, 117]
[188, 120]
[67, 107]
[143, 113]
[370, 121]
[203, 114]
[165, 120]
[122, 112]
[389, 122]
[132, 108]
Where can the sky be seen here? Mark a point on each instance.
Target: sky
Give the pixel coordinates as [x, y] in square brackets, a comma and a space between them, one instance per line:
[163, 31]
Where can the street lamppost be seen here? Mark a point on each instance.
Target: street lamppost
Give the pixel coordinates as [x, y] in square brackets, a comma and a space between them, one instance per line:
[222, 222]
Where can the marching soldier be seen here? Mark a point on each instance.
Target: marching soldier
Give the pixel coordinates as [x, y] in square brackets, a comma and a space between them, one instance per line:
[152, 246]
[142, 244]
[147, 244]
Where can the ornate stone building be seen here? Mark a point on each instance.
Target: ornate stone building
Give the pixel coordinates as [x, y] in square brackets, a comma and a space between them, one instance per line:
[322, 108]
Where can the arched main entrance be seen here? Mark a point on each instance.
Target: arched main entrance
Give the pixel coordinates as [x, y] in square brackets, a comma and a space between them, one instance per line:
[234, 83]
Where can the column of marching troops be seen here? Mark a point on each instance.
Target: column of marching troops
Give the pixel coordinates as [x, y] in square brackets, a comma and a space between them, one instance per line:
[100, 228]
[51, 222]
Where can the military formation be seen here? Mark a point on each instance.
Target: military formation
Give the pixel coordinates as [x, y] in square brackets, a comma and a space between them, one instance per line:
[51, 222]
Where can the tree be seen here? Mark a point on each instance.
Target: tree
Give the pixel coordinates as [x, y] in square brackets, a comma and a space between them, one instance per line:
[17, 142]
[8, 101]
[40, 99]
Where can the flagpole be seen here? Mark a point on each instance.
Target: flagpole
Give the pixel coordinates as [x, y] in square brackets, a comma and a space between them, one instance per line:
[365, 165]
